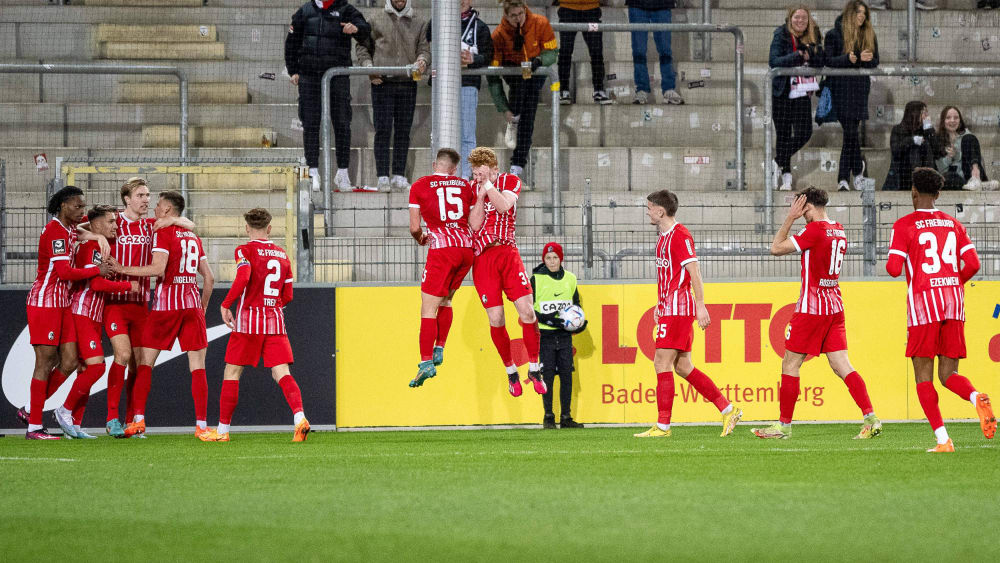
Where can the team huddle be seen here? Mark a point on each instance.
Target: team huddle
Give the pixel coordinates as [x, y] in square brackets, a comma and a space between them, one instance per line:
[104, 282]
[95, 274]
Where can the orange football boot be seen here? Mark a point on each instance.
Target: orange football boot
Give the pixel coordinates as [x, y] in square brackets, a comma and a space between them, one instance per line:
[945, 448]
[135, 428]
[301, 431]
[206, 434]
[987, 421]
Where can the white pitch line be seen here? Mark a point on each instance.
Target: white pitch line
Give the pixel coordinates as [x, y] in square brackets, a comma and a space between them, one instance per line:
[36, 459]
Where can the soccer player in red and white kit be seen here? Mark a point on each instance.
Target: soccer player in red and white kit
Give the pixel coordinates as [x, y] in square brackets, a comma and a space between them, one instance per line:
[817, 326]
[497, 268]
[125, 312]
[87, 306]
[178, 311]
[678, 274]
[50, 323]
[444, 201]
[263, 286]
[939, 258]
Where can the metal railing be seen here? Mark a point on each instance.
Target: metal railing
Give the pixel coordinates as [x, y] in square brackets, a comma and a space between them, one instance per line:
[826, 71]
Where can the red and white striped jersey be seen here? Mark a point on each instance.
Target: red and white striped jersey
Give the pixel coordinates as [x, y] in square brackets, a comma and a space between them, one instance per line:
[498, 228]
[822, 244]
[932, 244]
[57, 243]
[178, 287]
[260, 308]
[85, 300]
[133, 246]
[444, 203]
[674, 250]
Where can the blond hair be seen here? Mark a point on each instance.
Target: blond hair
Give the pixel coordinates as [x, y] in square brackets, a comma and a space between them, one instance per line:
[130, 185]
[811, 34]
[483, 156]
[856, 38]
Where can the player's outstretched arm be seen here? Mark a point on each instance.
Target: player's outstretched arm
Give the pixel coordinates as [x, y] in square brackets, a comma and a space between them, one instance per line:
[209, 282]
[781, 244]
[698, 286]
[155, 268]
[415, 231]
[84, 234]
[182, 222]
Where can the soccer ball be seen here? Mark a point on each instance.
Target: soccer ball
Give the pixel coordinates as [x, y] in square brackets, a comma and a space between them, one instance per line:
[572, 317]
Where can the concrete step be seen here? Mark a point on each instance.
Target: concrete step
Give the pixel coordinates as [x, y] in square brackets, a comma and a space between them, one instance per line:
[163, 136]
[162, 50]
[156, 33]
[169, 92]
[144, 3]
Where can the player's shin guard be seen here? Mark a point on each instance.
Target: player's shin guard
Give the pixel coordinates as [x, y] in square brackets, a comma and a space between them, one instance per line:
[856, 386]
[664, 396]
[960, 386]
[292, 394]
[444, 318]
[228, 399]
[56, 379]
[140, 391]
[81, 387]
[704, 385]
[37, 401]
[532, 340]
[199, 393]
[787, 396]
[929, 402]
[502, 342]
[428, 334]
[116, 379]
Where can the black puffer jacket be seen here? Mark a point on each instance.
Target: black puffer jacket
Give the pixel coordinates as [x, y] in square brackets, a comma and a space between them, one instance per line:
[651, 5]
[849, 93]
[783, 55]
[317, 42]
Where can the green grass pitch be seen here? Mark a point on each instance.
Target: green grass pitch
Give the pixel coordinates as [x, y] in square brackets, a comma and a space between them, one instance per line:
[505, 495]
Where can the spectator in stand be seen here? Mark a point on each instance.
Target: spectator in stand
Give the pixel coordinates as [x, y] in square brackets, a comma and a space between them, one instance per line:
[477, 52]
[921, 4]
[398, 38]
[581, 11]
[796, 43]
[960, 160]
[986, 4]
[913, 143]
[319, 39]
[523, 39]
[652, 11]
[851, 44]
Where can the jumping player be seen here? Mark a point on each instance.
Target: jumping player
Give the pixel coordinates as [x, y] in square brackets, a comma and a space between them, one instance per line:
[444, 202]
[178, 312]
[497, 268]
[87, 308]
[50, 324]
[263, 285]
[676, 310]
[939, 259]
[817, 327]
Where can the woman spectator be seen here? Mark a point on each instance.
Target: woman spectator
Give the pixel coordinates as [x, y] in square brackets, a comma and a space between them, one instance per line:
[796, 43]
[960, 160]
[851, 44]
[913, 143]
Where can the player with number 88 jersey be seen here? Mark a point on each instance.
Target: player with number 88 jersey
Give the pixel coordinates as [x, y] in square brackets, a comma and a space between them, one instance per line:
[444, 202]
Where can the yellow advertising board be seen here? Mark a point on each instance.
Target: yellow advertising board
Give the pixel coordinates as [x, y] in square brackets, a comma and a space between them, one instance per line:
[614, 381]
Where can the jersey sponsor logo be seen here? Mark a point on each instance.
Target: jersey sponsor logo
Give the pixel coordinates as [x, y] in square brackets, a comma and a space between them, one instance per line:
[553, 306]
[59, 246]
[16, 379]
[662, 262]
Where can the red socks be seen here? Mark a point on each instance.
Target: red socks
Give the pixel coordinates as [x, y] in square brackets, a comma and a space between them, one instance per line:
[37, 400]
[502, 342]
[444, 318]
[859, 392]
[960, 386]
[129, 392]
[292, 393]
[56, 379]
[140, 391]
[116, 378]
[228, 399]
[199, 392]
[428, 334]
[787, 396]
[80, 391]
[929, 402]
[664, 396]
[532, 340]
[704, 385]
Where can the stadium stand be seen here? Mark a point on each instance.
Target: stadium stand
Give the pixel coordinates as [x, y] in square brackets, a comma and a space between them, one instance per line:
[242, 106]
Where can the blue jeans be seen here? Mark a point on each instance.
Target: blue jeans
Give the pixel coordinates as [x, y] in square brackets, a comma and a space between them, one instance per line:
[470, 101]
[662, 40]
